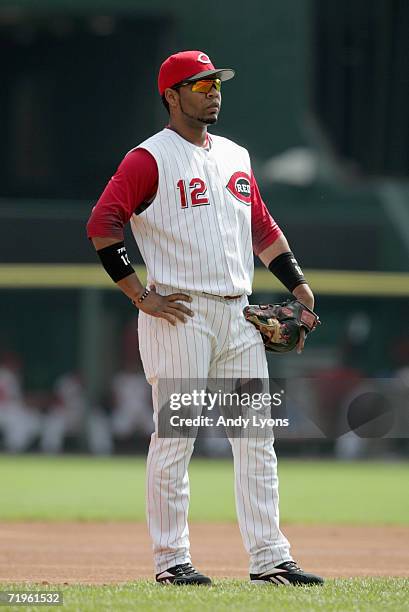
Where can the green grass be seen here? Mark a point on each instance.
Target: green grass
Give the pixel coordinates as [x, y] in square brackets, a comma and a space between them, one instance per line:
[365, 595]
[71, 488]
[86, 488]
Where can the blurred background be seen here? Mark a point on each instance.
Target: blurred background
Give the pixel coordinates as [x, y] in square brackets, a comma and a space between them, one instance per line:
[321, 101]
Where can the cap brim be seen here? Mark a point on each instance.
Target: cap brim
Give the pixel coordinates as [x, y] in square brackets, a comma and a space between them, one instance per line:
[224, 74]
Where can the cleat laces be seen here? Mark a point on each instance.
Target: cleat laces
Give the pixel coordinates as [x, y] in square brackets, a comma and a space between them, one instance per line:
[290, 566]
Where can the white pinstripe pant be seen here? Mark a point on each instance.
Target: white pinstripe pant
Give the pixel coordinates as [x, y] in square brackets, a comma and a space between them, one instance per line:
[216, 343]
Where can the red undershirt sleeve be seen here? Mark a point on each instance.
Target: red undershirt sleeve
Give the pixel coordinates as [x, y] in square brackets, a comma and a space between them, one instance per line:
[134, 183]
[264, 229]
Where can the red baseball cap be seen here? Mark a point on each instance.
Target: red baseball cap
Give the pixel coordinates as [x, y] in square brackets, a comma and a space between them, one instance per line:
[189, 66]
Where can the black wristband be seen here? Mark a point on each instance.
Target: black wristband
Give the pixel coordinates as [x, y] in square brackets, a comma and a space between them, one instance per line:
[287, 270]
[115, 260]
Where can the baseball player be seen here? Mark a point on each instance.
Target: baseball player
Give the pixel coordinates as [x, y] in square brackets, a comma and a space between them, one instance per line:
[197, 216]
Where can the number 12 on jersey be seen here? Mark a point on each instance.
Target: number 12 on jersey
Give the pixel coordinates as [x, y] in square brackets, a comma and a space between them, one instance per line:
[198, 191]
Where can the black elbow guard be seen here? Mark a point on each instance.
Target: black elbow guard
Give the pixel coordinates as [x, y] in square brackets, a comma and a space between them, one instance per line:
[115, 260]
[287, 270]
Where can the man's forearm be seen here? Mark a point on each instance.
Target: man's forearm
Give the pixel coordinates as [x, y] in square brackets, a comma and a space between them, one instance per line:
[274, 250]
[130, 285]
[302, 292]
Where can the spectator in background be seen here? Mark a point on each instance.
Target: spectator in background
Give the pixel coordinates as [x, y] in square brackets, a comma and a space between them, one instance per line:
[400, 357]
[66, 414]
[70, 417]
[336, 387]
[132, 417]
[20, 425]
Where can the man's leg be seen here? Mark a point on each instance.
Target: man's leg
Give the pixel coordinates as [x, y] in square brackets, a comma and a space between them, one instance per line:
[173, 357]
[255, 463]
[257, 502]
[167, 499]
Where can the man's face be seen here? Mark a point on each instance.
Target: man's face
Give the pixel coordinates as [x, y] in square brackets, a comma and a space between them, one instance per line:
[199, 107]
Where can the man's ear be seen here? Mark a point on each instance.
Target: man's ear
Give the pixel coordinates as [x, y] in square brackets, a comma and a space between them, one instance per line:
[172, 97]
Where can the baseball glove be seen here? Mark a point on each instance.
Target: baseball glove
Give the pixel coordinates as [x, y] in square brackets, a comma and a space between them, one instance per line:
[280, 324]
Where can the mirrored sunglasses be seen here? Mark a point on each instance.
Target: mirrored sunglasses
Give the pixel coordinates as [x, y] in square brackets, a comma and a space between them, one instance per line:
[205, 85]
[202, 86]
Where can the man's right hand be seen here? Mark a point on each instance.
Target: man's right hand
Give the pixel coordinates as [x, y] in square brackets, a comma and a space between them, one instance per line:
[166, 306]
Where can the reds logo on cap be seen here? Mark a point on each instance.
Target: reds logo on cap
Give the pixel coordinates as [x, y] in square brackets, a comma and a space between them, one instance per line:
[202, 57]
[189, 65]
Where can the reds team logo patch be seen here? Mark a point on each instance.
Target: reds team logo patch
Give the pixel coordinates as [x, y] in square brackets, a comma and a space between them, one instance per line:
[239, 187]
[203, 58]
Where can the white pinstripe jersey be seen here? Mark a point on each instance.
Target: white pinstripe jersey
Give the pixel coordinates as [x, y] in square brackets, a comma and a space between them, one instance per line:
[196, 234]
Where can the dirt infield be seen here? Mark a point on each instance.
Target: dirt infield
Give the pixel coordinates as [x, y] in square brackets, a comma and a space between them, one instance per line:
[99, 553]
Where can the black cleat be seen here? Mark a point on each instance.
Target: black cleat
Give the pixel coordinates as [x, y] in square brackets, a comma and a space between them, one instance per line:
[286, 574]
[184, 573]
